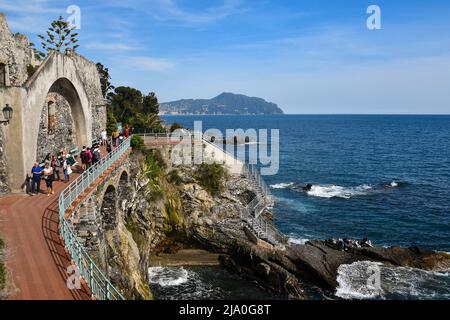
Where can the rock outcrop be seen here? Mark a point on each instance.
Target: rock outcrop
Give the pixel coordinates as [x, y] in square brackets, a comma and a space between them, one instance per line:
[160, 215]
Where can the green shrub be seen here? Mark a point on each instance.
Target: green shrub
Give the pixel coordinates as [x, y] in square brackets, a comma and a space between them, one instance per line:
[31, 70]
[174, 177]
[137, 143]
[137, 233]
[175, 126]
[172, 208]
[212, 177]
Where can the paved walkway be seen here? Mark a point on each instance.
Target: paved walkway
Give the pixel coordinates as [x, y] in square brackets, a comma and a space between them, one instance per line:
[36, 256]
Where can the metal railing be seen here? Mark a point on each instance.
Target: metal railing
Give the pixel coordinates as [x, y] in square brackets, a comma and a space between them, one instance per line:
[252, 173]
[98, 282]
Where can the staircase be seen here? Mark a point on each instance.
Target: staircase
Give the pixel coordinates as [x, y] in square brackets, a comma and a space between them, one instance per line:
[252, 214]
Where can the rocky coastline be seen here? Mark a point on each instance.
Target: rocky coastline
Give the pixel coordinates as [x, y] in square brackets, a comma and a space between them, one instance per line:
[165, 216]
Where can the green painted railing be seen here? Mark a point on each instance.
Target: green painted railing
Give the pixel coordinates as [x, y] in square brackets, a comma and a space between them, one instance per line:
[98, 282]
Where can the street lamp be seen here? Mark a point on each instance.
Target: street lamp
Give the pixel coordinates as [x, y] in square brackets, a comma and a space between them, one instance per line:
[7, 114]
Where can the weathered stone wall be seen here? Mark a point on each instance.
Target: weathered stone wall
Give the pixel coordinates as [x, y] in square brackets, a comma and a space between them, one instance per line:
[91, 81]
[15, 52]
[64, 133]
[4, 188]
[81, 87]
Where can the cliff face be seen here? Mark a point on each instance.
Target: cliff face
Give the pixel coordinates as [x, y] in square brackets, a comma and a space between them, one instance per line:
[168, 205]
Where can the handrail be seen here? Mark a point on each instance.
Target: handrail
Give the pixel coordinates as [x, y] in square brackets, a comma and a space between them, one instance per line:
[101, 287]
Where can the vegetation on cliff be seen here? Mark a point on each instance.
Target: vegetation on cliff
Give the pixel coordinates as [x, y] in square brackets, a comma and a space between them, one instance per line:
[212, 177]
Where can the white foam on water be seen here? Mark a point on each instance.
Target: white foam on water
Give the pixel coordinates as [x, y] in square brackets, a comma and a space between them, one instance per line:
[352, 280]
[394, 184]
[168, 277]
[395, 282]
[332, 191]
[282, 185]
[295, 240]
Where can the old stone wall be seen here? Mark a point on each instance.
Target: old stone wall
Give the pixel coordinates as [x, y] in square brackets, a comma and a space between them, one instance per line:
[4, 188]
[62, 135]
[15, 53]
[91, 81]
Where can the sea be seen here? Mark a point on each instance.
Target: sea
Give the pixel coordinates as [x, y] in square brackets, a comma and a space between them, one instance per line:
[381, 177]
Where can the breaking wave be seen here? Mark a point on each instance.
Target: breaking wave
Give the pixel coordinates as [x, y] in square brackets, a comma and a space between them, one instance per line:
[359, 281]
[282, 185]
[332, 191]
[168, 277]
[295, 240]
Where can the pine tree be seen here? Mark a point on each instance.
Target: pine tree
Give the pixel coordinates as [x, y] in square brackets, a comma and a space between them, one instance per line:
[107, 87]
[59, 37]
[150, 103]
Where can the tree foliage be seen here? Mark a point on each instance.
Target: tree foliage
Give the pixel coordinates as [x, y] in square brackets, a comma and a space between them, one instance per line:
[150, 103]
[129, 106]
[105, 78]
[111, 123]
[212, 177]
[59, 37]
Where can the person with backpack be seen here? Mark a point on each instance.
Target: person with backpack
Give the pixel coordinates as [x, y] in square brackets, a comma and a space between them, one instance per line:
[96, 155]
[108, 147]
[88, 158]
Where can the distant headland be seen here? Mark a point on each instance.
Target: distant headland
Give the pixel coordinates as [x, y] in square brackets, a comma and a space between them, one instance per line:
[225, 103]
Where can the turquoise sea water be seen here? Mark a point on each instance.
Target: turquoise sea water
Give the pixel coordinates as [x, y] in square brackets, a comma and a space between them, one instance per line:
[382, 177]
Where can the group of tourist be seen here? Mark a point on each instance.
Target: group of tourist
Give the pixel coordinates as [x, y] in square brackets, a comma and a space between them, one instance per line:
[345, 244]
[118, 136]
[49, 169]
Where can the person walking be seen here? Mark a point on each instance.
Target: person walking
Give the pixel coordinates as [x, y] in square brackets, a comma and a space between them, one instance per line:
[108, 147]
[55, 166]
[48, 176]
[120, 139]
[87, 156]
[104, 136]
[115, 135]
[96, 155]
[67, 170]
[36, 173]
[83, 162]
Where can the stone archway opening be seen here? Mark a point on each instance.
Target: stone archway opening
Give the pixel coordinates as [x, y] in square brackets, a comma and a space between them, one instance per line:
[62, 121]
[109, 209]
[123, 187]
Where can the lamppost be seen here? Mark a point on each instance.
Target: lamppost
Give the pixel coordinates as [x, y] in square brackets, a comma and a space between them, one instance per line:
[7, 114]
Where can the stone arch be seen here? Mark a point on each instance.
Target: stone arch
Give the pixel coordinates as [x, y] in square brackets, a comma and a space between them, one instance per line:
[57, 74]
[123, 183]
[109, 208]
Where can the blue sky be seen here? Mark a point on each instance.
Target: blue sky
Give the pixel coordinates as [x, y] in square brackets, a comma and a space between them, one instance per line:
[309, 56]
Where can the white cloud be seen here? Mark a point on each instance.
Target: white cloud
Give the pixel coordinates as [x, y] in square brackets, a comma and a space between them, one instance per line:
[171, 10]
[110, 46]
[149, 63]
